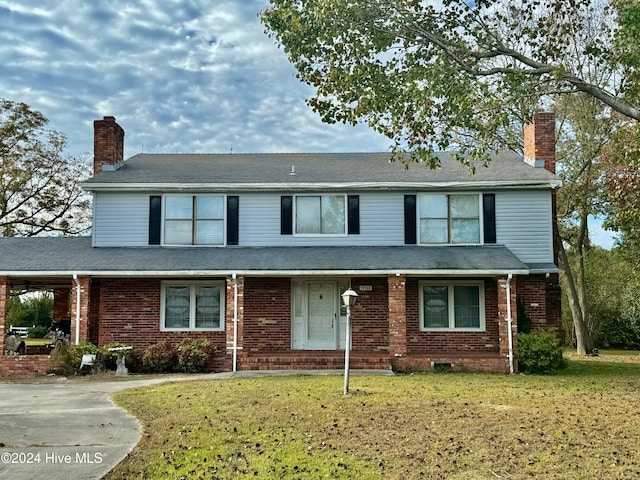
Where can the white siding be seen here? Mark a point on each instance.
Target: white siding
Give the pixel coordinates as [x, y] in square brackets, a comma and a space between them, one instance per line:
[523, 224]
[120, 219]
[381, 222]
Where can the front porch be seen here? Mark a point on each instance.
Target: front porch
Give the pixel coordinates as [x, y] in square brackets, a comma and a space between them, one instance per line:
[263, 330]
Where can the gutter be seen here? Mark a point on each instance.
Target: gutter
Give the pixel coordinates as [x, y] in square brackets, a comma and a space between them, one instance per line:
[510, 323]
[78, 289]
[235, 322]
[274, 273]
[313, 186]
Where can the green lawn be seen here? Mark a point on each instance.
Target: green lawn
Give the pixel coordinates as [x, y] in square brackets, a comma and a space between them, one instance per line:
[581, 423]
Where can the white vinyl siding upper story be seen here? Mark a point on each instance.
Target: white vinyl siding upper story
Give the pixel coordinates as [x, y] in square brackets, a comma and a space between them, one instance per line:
[381, 222]
[120, 219]
[523, 221]
[523, 224]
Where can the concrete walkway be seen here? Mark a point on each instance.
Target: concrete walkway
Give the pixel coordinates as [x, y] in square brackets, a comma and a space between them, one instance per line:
[69, 430]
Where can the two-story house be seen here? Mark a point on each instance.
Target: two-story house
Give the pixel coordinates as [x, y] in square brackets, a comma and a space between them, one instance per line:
[252, 251]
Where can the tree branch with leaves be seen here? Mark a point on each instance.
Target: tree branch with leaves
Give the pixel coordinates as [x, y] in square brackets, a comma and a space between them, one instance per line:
[39, 186]
[450, 77]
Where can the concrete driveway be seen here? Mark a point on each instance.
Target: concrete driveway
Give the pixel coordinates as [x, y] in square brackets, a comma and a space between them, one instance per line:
[68, 430]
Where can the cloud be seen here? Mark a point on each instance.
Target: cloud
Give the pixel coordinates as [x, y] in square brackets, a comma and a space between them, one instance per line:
[179, 76]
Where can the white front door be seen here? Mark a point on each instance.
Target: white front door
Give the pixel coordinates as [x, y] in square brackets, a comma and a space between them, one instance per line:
[315, 315]
[321, 316]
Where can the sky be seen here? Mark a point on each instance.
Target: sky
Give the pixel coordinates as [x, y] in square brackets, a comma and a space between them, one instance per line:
[195, 76]
[178, 75]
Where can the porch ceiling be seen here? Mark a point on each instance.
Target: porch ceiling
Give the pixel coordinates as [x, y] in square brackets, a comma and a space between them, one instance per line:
[37, 283]
[59, 257]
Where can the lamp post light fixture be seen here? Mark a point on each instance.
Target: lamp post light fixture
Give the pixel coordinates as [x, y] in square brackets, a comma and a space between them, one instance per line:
[349, 298]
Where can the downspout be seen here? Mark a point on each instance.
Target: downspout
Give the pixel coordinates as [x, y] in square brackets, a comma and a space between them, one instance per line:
[77, 282]
[235, 322]
[509, 323]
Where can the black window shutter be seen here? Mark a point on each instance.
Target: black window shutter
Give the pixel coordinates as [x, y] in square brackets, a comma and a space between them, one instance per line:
[155, 219]
[410, 235]
[286, 215]
[233, 214]
[489, 213]
[354, 214]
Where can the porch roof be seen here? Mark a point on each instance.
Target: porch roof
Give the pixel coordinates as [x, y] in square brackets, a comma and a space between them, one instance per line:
[51, 257]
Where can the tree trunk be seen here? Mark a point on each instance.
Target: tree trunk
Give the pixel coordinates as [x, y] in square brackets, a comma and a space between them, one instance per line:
[584, 344]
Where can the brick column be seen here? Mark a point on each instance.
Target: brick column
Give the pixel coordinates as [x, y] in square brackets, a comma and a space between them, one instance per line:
[502, 317]
[61, 300]
[397, 316]
[4, 297]
[229, 321]
[85, 289]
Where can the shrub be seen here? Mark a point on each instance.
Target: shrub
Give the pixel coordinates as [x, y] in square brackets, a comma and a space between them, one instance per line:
[38, 332]
[539, 352]
[134, 361]
[193, 355]
[621, 333]
[66, 358]
[160, 357]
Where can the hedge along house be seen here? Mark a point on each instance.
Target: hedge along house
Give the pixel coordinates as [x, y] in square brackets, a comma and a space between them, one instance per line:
[252, 251]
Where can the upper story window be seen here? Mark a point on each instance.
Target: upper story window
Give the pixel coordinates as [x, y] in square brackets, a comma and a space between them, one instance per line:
[320, 214]
[194, 220]
[449, 218]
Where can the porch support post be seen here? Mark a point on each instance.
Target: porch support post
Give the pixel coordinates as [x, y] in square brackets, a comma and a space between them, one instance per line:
[61, 298]
[503, 320]
[234, 321]
[397, 316]
[4, 297]
[82, 288]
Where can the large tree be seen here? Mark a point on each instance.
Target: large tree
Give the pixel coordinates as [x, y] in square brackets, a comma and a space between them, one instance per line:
[39, 185]
[584, 132]
[455, 75]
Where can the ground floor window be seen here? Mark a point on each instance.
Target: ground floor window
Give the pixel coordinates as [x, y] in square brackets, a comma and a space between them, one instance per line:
[192, 306]
[454, 305]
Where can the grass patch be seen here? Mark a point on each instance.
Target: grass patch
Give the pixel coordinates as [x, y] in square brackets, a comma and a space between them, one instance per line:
[582, 423]
[37, 341]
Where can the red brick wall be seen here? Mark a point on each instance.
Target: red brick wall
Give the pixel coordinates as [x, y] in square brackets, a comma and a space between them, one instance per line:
[369, 316]
[267, 314]
[398, 315]
[130, 313]
[542, 300]
[21, 365]
[476, 342]
[94, 311]
[61, 306]
[554, 303]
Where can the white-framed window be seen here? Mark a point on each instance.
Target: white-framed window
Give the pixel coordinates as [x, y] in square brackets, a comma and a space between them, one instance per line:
[450, 218]
[451, 305]
[194, 219]
[188, 306]
[320, 215]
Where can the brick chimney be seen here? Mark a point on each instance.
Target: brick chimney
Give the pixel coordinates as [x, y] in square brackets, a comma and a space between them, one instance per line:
[540, 141]
[108, 144]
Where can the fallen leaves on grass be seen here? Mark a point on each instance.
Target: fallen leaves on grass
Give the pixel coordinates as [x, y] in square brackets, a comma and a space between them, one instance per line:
[582, 423]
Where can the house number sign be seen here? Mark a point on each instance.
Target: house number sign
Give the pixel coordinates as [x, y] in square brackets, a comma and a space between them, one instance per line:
[365, 288]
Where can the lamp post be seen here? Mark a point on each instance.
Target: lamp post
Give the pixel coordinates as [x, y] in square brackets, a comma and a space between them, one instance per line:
[349, 298]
